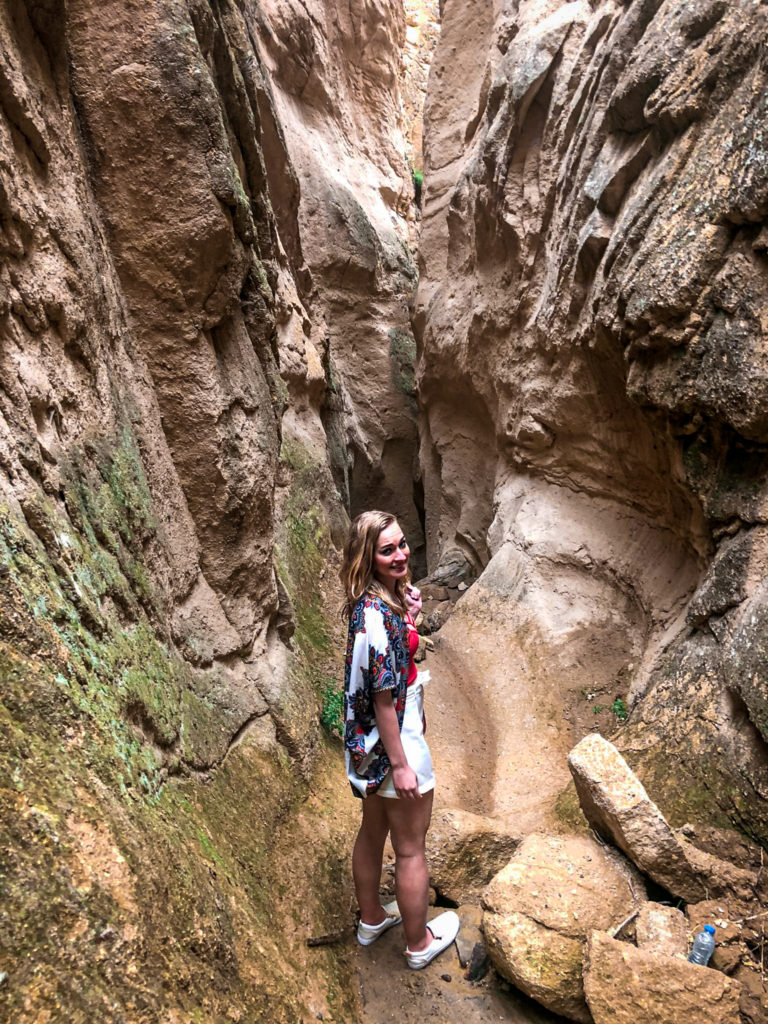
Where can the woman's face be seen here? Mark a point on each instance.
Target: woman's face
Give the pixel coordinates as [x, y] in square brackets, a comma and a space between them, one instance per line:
[391, 557]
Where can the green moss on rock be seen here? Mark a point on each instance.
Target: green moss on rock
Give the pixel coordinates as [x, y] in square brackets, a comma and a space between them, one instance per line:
[402, 356]
[131, 891]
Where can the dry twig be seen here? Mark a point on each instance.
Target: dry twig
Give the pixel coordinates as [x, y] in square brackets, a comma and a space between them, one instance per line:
[330, 938]
[752, 918]
[625, 922]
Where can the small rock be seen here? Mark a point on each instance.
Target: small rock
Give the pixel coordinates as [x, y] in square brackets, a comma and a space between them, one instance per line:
[3, 978]
[479, 963]
[531, 433]
[446, 977]
[470, 933]
[450, 574]
[661, 929]
[753, 1001]
[436, 619]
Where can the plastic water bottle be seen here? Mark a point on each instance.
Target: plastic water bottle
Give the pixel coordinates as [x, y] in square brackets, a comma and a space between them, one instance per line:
[703, 946]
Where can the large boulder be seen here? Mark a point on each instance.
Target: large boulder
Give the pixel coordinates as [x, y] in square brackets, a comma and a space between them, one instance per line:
[465, 851]
[541, 907]
[625, 985]
[615, 802]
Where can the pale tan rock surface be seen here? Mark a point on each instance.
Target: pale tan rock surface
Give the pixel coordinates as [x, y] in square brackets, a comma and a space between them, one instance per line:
[661, 929]
[636, 986]
[591, 367]
[615, 802]
[422, 29]
[541, 907]
[335, 72]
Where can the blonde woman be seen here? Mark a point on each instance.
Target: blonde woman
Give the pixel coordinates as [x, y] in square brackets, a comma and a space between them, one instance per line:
[388, 761]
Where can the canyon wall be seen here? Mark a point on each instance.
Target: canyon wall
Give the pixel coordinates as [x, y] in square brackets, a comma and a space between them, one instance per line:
[591, 320]
[207, 227]
[334, 71]
[186, 361]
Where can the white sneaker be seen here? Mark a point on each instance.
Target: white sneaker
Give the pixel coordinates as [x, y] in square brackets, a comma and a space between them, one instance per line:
[368, 933]
[444, 928]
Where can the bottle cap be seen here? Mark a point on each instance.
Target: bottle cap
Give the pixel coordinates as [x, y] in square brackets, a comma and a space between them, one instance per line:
[709, 928]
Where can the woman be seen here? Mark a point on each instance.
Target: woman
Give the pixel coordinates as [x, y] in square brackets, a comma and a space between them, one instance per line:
[388, 760]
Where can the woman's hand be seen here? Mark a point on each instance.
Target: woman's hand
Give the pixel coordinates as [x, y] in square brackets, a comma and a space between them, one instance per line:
[412, 600]
[406, 782]
[404, 778]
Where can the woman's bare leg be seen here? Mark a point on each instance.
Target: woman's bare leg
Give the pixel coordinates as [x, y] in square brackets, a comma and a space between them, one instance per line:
[367, 858]
[408, 824]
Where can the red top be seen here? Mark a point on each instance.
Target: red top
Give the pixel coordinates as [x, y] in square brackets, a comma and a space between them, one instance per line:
[413, 646]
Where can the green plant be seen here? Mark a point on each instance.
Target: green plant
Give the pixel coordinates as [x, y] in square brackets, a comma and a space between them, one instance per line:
[619, 708]
[332, 708]
[418, 183]
[598, 708]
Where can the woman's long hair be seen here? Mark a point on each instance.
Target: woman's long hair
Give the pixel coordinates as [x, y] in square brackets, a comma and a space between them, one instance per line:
[358, 563]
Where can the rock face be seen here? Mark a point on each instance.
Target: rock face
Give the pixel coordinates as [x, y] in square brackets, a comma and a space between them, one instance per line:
[174, 381]
[422, 30]
[592, 289]
[334, 71]
[636, 986]
[207, 363]
[541, 907]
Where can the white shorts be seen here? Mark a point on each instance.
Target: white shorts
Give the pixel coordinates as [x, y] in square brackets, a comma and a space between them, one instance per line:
[414, 743]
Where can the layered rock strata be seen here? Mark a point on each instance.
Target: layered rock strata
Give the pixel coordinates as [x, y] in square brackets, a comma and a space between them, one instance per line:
[591, 313]
[334, 74]
[169, 517]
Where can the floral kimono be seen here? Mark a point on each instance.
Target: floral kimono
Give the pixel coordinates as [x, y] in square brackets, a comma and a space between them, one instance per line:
[377, 659]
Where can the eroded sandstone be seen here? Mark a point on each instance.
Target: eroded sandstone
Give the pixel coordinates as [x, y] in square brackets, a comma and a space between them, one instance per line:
[170, 521]
[590, 315]
[627, 984]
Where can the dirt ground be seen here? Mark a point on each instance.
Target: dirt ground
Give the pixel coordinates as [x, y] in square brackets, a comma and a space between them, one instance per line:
[391, 992]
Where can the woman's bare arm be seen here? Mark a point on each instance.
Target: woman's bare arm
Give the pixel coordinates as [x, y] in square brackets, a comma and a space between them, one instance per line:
[403, 776]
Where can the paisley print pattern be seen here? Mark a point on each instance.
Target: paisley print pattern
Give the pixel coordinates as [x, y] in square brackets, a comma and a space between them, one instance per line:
[377, 659]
